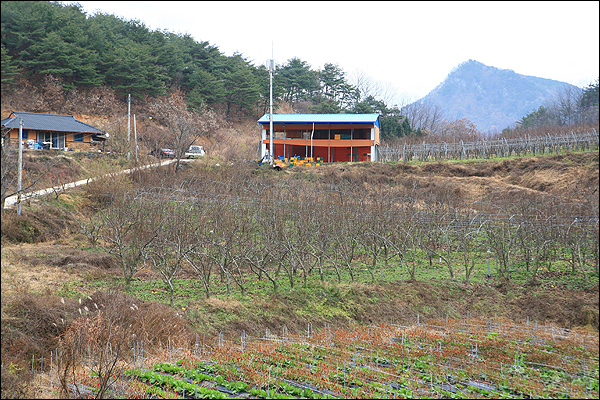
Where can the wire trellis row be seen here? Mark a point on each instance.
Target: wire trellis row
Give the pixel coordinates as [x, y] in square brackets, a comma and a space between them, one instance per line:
[246, 205]
[526, 146]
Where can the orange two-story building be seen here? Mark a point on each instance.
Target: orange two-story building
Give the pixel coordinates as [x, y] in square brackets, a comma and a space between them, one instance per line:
[331, 137]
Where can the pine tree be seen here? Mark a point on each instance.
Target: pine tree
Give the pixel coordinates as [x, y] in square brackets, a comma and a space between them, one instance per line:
[590, 96]
[9, 70]
[206, 89]
[297, 80]
[240, 84]
[134, 71]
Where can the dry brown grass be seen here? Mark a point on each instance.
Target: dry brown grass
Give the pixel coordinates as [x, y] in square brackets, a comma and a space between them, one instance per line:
[29, 268]
[34, 226]
[154, 323]
[229, 305]
[40, 319]
[234, 143]
[561, 175]
[32, 325]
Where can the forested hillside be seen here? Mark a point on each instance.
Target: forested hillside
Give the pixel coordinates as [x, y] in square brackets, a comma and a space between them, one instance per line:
[46, 41]
[56, 58]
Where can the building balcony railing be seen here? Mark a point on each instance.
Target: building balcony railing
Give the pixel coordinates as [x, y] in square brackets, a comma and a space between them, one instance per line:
[322, 142]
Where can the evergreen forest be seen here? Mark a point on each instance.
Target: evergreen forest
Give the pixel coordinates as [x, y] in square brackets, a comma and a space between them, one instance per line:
[41, 39]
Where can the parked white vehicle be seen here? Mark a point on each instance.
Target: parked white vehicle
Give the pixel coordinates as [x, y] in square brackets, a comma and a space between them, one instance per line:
[195, 151]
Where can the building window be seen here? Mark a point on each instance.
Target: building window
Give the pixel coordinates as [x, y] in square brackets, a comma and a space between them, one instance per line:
[25, 134]
[78, 137]
[57, 139]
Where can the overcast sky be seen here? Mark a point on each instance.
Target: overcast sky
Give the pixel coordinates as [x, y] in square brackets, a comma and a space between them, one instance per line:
[410, 46]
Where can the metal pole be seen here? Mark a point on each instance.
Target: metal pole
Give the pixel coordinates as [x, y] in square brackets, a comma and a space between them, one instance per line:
[271, 152]
[351, 136]
[135, 138]
[128, 126]
[20, 183]
[311, 143]
[488, 274]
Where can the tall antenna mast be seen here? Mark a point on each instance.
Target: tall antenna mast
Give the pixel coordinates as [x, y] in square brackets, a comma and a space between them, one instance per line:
[271, 68]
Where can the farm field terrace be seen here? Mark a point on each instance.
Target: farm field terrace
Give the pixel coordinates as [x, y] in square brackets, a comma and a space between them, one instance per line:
[445, 358]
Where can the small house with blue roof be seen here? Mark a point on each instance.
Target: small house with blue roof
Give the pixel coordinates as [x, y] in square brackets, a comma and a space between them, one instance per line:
[53, 131]
[329, 137]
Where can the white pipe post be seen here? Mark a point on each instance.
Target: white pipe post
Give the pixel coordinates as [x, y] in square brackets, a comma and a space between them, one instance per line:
[311, 143]
[128, 126]
[20, 183]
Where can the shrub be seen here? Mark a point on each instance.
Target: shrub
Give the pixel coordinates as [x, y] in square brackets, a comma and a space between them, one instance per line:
[19, 229]
[16, 380]
[35, 226]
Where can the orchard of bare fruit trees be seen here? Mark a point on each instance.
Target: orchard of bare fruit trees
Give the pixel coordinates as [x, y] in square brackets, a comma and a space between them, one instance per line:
[243, 224]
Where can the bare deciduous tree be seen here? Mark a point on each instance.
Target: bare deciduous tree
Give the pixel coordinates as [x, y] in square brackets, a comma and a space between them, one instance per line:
[367, 86]
[129, 228]
[198, 257]
[101, 341]
[184, 127]
[174, 241]
[565, 105]
[258, 257]
[460, 129]
[10, 172]
[424, 116]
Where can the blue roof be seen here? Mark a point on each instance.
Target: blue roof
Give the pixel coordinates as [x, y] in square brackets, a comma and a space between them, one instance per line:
[322, 119]
[49, 122]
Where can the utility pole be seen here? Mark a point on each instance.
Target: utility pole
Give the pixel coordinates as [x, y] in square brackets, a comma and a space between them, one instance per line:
[128, 126]
[271, 68]
[20, 183]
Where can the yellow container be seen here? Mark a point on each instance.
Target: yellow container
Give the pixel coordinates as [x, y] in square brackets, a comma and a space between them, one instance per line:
[338, 136]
